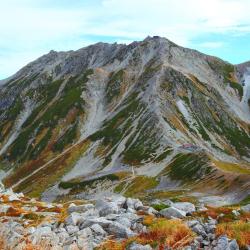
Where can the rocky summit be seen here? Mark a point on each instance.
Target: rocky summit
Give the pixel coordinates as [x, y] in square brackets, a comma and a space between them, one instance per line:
[162, 124]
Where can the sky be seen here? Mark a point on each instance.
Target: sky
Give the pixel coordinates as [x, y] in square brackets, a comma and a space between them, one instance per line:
[31, 28]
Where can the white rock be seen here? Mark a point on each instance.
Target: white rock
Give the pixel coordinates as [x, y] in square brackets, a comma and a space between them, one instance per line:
[233, 245]
[120, 231]
[74, 219]
[90, 221]
[236, 213]
[222, 243]
[131, 216]
[72, 229]
[106, 208]
[4, 208]
[119, 200]
[13, 197]
[171, 212]
[97, 229]
[187, 207]
[124, 221]
[86, 232]
[31, 230]
[43, 231]
[133, 203]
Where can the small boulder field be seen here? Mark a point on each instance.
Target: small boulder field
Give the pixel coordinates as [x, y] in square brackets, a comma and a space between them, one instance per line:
[118, 222]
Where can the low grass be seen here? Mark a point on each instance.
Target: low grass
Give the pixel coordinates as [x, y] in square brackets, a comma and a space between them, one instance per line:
[162, 234]
[188, 167]
[238, 87]
[87, 183]
[232, 167]
[173, 195]
[140, 185]
[159, 207]
[245, 201]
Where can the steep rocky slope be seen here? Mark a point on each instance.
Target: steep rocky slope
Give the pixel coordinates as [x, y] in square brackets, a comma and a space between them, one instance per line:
[149, 117]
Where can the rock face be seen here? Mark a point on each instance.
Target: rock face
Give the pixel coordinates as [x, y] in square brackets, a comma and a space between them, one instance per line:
[110, 107]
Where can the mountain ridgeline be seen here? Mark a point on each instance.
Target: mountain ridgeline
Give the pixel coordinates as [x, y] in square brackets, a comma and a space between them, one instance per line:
[148, 117]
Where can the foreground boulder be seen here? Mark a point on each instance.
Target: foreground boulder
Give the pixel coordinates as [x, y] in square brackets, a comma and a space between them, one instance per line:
[186, 207]
[172, 212]
[120, 231]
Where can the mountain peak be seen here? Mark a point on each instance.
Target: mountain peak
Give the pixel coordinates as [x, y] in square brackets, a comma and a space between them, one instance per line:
[169, 115]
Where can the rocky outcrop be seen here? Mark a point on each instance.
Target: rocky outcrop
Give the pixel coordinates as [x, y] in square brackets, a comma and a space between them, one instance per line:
[27, 223]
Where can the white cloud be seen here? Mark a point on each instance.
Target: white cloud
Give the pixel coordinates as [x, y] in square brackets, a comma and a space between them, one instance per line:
[211, 45]
[32, 27]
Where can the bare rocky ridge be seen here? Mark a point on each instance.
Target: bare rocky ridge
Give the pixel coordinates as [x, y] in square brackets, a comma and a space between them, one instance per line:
[106, 117]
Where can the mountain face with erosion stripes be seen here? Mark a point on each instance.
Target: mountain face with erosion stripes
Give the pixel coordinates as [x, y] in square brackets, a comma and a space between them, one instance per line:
[146, 119]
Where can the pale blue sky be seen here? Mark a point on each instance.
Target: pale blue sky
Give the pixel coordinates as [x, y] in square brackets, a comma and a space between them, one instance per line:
[31, 28]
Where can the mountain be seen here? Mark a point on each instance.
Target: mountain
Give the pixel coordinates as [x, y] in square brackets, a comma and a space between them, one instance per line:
[148, 119]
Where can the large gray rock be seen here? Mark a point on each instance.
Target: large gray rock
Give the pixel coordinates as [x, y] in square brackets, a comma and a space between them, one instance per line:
[139, 228]
[199, 229]
[119, 200]
[105, 208]
[187, 207]
[192, 223]
[103, 222]
[172, 212]
[133, 203]
[132, 217]
[124, 221]
[62, 236]
[72, 229]
[119, 230]
[222, 243]
[85, 233]
[74, 219]
[97, 229]
[233, 245]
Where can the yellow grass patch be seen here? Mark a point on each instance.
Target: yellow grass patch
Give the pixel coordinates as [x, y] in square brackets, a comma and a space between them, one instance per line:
[232, 167]
[238, 230]
[162, 233]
